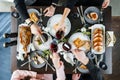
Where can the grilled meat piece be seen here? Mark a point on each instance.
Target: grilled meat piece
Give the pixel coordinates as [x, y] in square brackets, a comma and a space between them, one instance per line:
[25, 36]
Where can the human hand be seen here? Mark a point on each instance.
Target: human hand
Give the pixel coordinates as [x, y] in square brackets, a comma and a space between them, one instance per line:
[49, 11]
[59, 66]
[76, 76]
[80, 55]
[35, 29]
[56, 60]
[59, 26]
[105, 3]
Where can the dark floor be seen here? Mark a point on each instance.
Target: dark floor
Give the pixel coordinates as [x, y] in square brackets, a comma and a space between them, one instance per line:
[116, 51]
[5, 21]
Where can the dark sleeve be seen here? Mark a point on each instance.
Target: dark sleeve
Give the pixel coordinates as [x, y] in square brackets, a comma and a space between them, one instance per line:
[55, 1]
[95, 72]
[21, 7]
[70, 3]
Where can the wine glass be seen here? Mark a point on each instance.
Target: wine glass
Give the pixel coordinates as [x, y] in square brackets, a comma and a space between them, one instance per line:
[54, 46]
[66, 46]
[59, 34]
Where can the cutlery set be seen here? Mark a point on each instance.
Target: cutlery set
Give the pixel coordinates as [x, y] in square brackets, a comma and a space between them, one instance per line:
[77, 65]
[47, 63]
[29, 61]
[81, 14]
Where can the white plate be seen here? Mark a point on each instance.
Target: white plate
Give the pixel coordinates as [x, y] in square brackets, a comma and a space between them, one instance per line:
[55, 20]
[33, 10]
[19, 45]
[78, 35]
[44, 46]
[101, 26]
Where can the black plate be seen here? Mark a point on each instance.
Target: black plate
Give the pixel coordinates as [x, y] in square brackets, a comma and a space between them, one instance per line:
[89, 10]
[32, 62]
[82, 70]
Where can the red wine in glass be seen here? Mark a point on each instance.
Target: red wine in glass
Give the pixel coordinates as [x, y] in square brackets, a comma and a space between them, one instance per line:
[66, 46]
[59, 34]
[53, 46]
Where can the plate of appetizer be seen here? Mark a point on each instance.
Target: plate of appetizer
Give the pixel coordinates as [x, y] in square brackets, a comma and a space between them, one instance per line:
[92, 15]
[98, 38]
[34, 15]
[53, 22]
[83, 69]
[42, 42]
[80, 41]
[36, 60]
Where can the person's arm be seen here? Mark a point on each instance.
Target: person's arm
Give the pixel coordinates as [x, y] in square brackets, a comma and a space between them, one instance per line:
[60, 72]
[64, 16]
[105, 3]
[20, 74]
[71, 3]
[49, 11]
[95, 72]
[59, 66]
[21, 7]
[55, 1]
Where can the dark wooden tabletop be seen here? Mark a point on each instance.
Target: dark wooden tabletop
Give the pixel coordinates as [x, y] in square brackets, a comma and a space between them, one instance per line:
[75, 23]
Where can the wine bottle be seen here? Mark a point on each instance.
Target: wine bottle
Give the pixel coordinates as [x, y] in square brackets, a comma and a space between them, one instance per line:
[12, 43]
[11, 35]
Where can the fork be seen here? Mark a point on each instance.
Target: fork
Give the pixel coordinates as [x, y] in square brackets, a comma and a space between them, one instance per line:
[80, 15]
[41, 15]
[81, 9]
[41, 20]
[46, 66]
[77, 64]
[101, 11]
[25, 63]
[29, 66]
[47, 63]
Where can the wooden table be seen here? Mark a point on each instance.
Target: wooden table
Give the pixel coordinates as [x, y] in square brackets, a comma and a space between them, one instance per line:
[75, 24]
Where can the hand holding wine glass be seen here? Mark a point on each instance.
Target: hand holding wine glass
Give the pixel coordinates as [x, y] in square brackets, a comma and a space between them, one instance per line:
[56, 60]
[60, 34]
[61, 24]
[53, 46]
